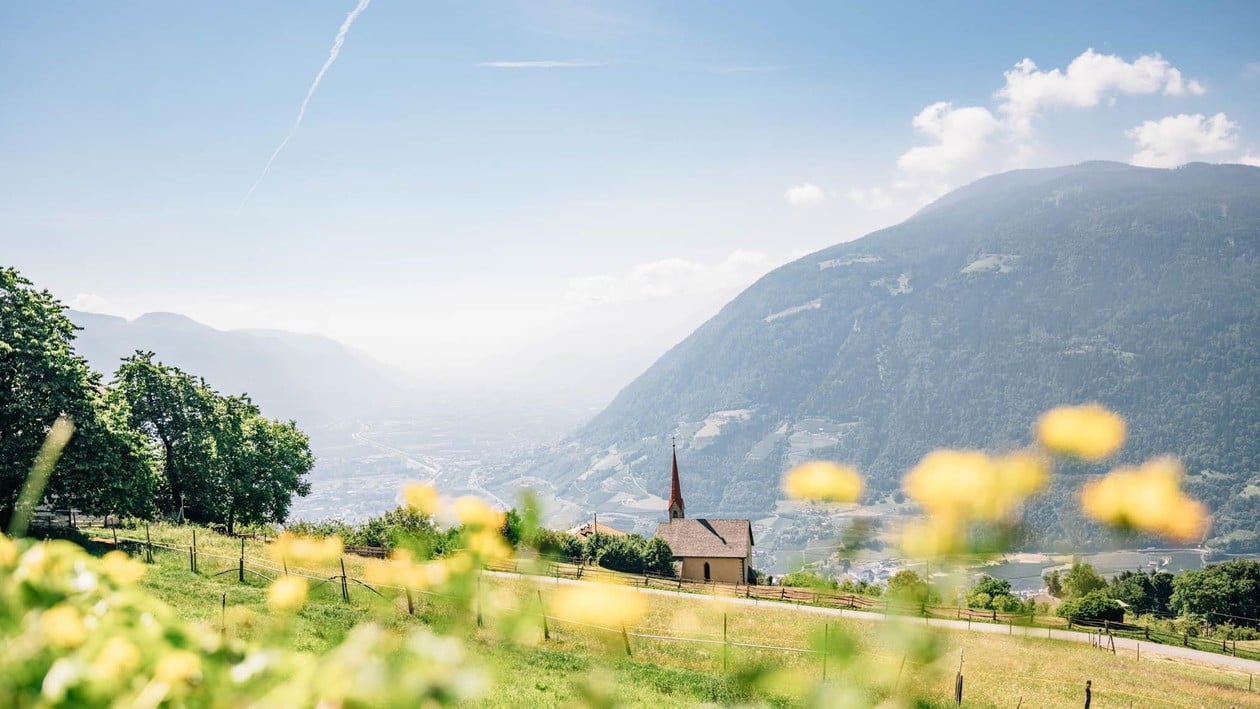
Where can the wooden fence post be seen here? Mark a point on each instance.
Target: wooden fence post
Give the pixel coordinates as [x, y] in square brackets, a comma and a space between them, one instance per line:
[148, 543]
[625, 638]
[411, 605]
[958, 680]
[477, 600]
[345, 587]
[115, 537]
[1088, 685]
[223, 616]
[543, 607]
[826, 647]
[241, 568]
[724, 642]
[194, 550]
[192, 560]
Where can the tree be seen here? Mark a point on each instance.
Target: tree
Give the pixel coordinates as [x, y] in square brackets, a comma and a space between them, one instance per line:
[513, 527]
[1054, 583]
[175, 411]
[103, 468]
[623, 554]
[258, 465]
[1228, 592]
[1144, 593]
[658, 558]
[992, 594]
[222, 462]
[1081, 580]
[906, 585]
[1095, 605]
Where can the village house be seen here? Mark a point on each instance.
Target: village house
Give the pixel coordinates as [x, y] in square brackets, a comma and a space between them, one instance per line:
[706, 549]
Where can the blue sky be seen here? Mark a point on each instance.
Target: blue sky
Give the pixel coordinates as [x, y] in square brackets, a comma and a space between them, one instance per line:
[522, 193]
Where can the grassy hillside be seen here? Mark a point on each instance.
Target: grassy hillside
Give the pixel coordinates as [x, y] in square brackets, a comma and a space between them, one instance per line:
[586, 664]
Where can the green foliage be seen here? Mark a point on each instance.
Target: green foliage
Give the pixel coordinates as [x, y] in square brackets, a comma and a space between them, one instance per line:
[513, 529]
[808, 578]
[1054, 583]
[993, 594]
[1228, 592]
[105, 466]
[1082, 580]
[1095, 605]
[386, 531]
[222, 462]
[658, 558]
[1148, 593]
[906, 585]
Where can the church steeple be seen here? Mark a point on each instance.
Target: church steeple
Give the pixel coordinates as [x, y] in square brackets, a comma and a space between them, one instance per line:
[676, 506]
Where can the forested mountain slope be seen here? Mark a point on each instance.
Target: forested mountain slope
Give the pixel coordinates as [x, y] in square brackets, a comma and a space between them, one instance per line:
[1138, 288]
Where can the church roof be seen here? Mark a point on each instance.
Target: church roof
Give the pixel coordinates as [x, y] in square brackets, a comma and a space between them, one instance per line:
[675, 488]
[707, 537]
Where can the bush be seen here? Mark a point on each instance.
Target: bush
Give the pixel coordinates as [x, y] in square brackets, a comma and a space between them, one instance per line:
[1095, 605]
[808, 578]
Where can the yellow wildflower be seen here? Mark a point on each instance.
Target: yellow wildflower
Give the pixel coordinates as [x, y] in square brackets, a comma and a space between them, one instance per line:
[599, 604]
[421, 497]
[62, 627]
[972, 485]
[489, 544]
[1148, 498]
[473, 512]
[122, 569]
[1088, 431]
[823, 481]
[937, 536]
[116, 658]
[287, 593]
[307, 550]
[8, 552]
[176, 667]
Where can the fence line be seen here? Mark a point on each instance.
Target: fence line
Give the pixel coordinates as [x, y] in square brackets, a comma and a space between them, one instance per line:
[638, 632]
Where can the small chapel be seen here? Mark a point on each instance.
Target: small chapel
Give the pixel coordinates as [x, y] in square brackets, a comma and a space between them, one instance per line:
[705, 549]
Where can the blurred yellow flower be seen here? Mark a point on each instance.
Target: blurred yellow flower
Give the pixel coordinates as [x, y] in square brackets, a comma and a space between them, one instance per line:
[937, 536]
[117, 657]
[488, 544]
[62, 627]
[177, 666]
[473, 512]
[122, 569]
[1088, 431]
[1147, 498]
[8, 551]
[422, 498]
[306, 550]
[972, 485]
[287, 593]
[823, 481]
[599, 604]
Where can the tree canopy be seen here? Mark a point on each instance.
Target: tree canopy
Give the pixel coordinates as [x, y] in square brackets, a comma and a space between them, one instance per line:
[105, 467]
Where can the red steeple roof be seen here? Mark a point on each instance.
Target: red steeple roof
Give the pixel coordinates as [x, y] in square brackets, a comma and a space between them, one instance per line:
[675, 490]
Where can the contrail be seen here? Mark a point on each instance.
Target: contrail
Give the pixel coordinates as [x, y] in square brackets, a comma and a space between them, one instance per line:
[339, 40]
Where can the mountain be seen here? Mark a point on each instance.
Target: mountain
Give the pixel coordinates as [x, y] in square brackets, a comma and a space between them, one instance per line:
[309, 378]
[1138, 288]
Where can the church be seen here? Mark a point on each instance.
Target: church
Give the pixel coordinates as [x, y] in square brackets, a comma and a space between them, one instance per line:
[706, 549]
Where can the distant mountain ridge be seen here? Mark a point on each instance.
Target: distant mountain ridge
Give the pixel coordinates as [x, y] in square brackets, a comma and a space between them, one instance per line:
[309, 378]
[1135, 287]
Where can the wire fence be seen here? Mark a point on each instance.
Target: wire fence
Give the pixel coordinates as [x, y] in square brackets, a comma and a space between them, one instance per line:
[404, 600]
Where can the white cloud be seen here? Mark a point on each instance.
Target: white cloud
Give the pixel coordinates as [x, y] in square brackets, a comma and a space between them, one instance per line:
[1088, 79]
[964, 143]
[544, 64]
[1248, 159]
[670, 277]
[799, 195]
[88, 303]
[1174, 140]
[959, 137]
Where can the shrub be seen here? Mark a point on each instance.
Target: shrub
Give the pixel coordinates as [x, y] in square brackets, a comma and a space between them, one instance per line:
[1095, 605]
